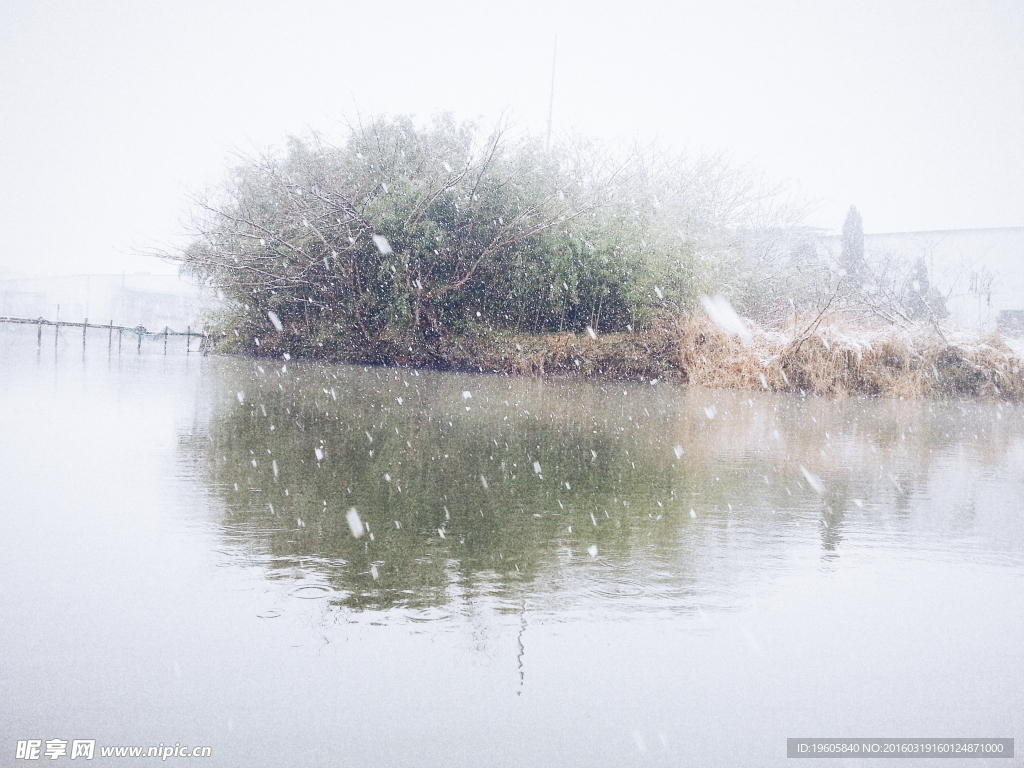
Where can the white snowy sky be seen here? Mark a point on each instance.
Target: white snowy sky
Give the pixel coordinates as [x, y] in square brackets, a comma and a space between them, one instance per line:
[110, 112]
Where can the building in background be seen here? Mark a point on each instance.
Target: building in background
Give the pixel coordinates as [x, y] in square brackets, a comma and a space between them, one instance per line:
[979, 272]
[153, 301]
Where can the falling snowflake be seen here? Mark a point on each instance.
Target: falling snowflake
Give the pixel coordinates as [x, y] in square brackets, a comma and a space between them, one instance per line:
[354, 523]
[724, 316]
[812, 479]
[382, 245]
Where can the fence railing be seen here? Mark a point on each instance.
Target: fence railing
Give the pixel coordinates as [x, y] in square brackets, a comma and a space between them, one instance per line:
[139, 331]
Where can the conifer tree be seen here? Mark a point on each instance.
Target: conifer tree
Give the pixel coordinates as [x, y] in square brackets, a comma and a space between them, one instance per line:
[851, 257]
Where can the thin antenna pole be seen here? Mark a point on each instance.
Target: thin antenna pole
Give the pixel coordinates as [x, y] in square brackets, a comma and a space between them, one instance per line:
[551, 101]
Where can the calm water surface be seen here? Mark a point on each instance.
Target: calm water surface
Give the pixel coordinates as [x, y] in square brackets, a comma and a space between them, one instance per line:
[548, 572]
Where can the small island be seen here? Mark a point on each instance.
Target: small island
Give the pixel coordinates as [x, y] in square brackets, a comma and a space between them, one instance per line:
[457, 248]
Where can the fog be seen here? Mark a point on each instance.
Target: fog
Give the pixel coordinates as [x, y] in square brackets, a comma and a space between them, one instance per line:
[112, 114]
[280, 556]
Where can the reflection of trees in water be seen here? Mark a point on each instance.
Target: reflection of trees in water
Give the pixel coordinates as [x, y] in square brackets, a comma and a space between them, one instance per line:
[888, 454]
[471, 495]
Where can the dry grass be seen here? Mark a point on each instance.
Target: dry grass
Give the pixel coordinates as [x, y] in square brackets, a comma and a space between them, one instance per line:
[908, 362]
[916, 361]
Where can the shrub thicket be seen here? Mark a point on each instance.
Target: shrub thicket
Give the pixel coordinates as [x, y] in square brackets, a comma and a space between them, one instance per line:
[408, 234]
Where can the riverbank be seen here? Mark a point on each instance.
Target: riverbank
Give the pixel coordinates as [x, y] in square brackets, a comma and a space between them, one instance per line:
[917, 361]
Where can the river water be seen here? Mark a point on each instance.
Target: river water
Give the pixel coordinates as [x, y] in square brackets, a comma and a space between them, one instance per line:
[546, 572]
